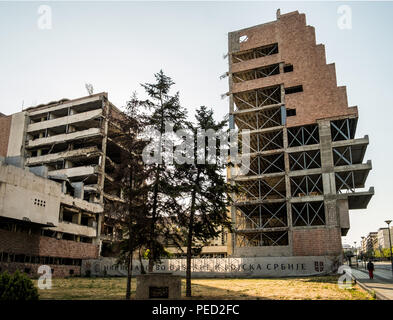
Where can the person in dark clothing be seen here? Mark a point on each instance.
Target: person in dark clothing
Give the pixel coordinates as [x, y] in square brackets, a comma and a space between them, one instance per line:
[370, 268]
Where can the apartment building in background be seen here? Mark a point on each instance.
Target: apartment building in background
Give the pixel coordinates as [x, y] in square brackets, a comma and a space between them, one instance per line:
[383, 237]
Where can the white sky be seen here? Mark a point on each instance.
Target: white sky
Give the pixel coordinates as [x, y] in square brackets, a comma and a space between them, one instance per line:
[117, 45]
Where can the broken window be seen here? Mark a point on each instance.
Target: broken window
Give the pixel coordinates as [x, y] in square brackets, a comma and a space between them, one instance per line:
[67, 216]
[294, 89]
[288, 68]
[291, 112]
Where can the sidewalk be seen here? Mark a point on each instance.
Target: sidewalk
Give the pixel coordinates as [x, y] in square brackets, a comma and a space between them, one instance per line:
[382, 283]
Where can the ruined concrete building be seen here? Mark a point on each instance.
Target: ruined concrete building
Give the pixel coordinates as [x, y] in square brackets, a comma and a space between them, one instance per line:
[56, 162]
[55, 177]
[306, 164]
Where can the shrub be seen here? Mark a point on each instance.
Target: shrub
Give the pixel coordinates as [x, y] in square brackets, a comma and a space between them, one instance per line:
[17, 287]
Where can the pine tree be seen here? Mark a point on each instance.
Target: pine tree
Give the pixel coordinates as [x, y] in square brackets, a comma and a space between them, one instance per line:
[165, 110]
[206, 190]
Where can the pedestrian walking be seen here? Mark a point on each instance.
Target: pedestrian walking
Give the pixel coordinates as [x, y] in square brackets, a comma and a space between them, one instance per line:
[370, 268]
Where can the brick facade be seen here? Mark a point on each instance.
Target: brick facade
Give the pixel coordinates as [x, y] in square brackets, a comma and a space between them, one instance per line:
[317, 242]
[23, 243]
[5, 125]
[35, 245]
[321, 98]
[59, 271]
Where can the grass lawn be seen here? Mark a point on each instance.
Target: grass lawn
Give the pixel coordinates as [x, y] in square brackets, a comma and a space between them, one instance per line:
[307, 288]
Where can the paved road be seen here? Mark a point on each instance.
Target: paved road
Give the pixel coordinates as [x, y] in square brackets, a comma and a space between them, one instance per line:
[382, 283]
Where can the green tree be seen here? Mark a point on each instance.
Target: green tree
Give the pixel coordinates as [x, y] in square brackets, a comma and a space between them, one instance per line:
[164, 111]
[17, 287]
[205, 192]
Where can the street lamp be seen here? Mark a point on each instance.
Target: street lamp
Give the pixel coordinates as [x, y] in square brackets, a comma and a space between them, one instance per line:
[356, 255]
[363, 252]
[390, 243]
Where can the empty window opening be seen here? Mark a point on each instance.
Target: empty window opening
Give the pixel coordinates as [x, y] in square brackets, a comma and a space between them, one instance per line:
[291, 112]
[306, 186]
[243, 39]
[259, 239]
[256, 73]
[343, 129]
[85, 220]
[255, 53]
[68, 236]
[304, 135]
[294, 89]
[288, 68]
[67, 216]
[266, 164]
[257, 98]
[304, 160]
[269, 215]
[308, 214]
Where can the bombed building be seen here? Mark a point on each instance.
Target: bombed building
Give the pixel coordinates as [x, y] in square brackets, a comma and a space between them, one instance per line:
[306, 172]
[56, 166]
[55, 177]
[306, 165]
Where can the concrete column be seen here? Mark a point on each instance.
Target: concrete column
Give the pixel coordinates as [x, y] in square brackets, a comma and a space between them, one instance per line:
[288, 189]
[328, 177]
[68, 164]
[61, 214]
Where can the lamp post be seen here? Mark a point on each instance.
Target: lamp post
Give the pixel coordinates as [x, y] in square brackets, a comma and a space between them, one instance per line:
[356, 255]
[363, 252]
[390, 243]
